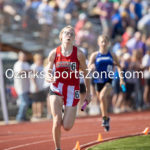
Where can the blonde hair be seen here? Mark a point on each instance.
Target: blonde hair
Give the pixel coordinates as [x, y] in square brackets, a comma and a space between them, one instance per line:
[104, 37]
[61, 32]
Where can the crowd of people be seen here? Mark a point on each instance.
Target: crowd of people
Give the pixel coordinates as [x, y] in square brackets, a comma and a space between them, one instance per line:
[126, 23]
[32, 88]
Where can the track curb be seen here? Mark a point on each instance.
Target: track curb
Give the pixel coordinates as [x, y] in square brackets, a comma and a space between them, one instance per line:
[91, 144]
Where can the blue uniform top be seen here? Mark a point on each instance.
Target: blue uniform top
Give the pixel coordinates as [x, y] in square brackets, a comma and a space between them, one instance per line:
[103, 64]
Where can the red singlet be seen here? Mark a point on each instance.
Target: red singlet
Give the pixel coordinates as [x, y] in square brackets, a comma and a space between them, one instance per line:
[67, 71]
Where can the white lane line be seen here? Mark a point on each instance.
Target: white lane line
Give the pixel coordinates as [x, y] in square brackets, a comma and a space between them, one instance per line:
[24, 138]
[49, 136]
[45, 141]
[23, 145]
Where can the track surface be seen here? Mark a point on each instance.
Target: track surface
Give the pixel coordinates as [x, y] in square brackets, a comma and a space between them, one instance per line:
[38, 136]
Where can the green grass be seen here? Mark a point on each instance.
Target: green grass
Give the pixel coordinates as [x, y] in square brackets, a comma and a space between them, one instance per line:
[132, 143]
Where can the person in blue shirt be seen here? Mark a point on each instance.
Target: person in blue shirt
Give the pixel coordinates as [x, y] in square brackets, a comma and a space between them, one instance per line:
[101, 63]
[136, 10]
[117, 24]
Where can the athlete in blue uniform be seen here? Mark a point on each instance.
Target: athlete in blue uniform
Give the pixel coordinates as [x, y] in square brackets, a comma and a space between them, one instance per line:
[101, 63]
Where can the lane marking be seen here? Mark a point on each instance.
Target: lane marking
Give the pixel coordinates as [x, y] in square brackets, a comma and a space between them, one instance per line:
[114, 118]
[24, 145]
[45, 141]
[24, 138]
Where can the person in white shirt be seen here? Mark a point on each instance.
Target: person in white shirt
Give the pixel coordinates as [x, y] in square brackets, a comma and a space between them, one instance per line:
[37, 90]
[22, 85]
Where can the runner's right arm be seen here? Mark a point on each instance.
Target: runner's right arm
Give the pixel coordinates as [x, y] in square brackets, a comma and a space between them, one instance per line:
[49, 77]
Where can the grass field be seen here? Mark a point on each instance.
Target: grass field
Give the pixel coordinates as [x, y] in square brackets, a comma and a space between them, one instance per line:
[132, 143]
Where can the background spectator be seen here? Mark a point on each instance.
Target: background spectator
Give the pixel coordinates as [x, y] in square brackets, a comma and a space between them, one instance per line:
[22, 85]
[146, 66]
[34, 25]
[81, 22]
[144, 24]
[30, 14]
[66, 8]
[45, 15]
[38, 94]
[136, 43]
[105, 11]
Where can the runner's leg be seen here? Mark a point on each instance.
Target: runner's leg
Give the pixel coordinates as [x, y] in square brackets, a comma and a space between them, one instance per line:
[69, 117]
[56, 104]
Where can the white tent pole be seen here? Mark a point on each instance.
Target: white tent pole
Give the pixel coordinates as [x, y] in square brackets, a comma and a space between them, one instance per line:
[2, 93]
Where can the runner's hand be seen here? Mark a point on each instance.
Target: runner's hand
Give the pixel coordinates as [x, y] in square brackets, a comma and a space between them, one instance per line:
[122, 82]
[92, 67]
[49, 79]
[88, 97]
